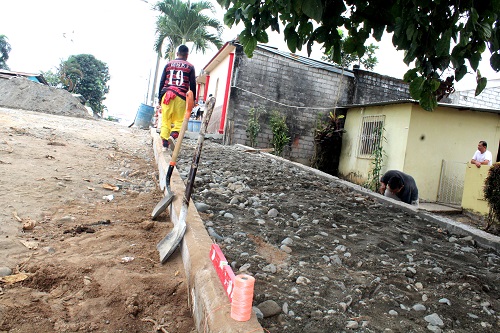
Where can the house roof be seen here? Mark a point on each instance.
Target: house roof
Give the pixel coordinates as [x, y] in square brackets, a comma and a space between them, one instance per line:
[308, 61]
[229, 47]
[5, 74]
[403, 101]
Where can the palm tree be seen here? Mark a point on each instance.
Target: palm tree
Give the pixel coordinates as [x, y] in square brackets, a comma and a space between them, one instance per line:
[182, 22]
[5, 48]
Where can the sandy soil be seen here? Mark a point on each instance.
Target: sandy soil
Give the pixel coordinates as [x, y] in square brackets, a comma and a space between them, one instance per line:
[75, 202]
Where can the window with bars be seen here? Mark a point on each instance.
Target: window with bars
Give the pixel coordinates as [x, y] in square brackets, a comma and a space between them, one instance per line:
[370, 135]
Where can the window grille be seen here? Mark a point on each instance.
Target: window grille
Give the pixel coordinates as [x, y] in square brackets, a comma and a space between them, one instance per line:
[371, 134]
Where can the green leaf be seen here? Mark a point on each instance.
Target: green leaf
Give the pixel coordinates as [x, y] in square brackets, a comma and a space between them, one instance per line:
[360, 50]
[495, 62]
[474, 60]
[460, 72]
[481, 84]
[428, 101]
[248, 41]
[250, 46]
[410, 75]
[378, 32]
[297, 5]
[229, 17]
[443, 45]
[262, 36]
[434, 84]
[350, 45]
[416, 87]
[313, 9]
[292, 38]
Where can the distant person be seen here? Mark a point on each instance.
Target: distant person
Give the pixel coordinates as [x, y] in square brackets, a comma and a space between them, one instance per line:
[482, 155]
[399, 186]
[200, 110]
[196, 109]
[177, 79]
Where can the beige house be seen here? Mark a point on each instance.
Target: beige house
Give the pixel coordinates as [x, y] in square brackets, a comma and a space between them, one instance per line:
[434, 147]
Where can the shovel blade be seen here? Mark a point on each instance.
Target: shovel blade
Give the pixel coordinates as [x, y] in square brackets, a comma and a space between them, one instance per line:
[170, 242]
[162, 205]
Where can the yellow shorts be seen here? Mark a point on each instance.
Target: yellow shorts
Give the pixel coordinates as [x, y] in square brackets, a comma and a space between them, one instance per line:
[172, 116]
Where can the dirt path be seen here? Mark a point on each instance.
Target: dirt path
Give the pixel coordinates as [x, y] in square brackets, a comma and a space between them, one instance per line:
[75, 232]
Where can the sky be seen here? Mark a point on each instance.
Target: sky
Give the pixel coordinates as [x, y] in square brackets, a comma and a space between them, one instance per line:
[121, 33]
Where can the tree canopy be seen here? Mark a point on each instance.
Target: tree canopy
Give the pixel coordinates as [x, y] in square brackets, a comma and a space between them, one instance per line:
[368, 60]
[438, 36]
[85, 75]
[181, 22]
[5, 49]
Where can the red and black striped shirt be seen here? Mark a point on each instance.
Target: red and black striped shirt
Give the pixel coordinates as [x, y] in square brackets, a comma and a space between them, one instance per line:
[178, 76]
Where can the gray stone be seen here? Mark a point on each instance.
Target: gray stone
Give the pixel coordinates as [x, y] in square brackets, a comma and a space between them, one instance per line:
[419, 307]
[5, 271]
[269, 308]
[303, 280]
[316, 314]
[434, 329]
[258, 313]
[352, 324]
[445, 301]
[271, 268]
[286, 249]
[201, 206]
[228, 216]
[273, 212]
[49, 249]
[434, 320]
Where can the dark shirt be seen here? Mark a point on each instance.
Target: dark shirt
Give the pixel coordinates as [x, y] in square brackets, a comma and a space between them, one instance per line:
[409, 192]
[178, 76]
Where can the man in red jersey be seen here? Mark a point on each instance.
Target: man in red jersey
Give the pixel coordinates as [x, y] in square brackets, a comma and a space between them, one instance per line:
[177, 78]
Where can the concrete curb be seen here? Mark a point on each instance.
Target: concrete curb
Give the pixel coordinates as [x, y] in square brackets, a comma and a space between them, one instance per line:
[208, 301]
[482, 238]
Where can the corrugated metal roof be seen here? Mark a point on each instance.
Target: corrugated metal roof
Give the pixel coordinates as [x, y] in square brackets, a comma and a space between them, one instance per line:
[413, 101]
[9, 74]
[308, 61]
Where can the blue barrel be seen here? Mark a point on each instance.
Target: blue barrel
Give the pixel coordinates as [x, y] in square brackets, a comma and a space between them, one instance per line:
[196, 125]
[144, 116]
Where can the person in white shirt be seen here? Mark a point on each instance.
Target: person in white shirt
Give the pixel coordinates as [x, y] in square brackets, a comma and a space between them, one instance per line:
[482, 155]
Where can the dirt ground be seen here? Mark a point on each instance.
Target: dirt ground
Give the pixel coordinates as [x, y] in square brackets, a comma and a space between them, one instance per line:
[325, 258]
[75, 202]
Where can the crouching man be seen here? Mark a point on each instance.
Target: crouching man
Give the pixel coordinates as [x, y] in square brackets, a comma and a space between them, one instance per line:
[399, 186]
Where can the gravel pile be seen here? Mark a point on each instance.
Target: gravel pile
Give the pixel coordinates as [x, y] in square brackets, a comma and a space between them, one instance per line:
[329, 259]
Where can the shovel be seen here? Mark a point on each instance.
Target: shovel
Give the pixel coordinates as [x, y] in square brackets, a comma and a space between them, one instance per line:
[167, 199]
[168, 244]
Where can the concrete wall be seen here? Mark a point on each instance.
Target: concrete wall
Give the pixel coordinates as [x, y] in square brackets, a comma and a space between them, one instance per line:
[299, 91]
[373, 87]
[489, 98]
[473, 197]
[397, 119]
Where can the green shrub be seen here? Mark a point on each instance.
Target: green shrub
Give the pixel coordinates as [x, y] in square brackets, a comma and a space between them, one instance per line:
[280, 132]
[253, 127]
[492, 195]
